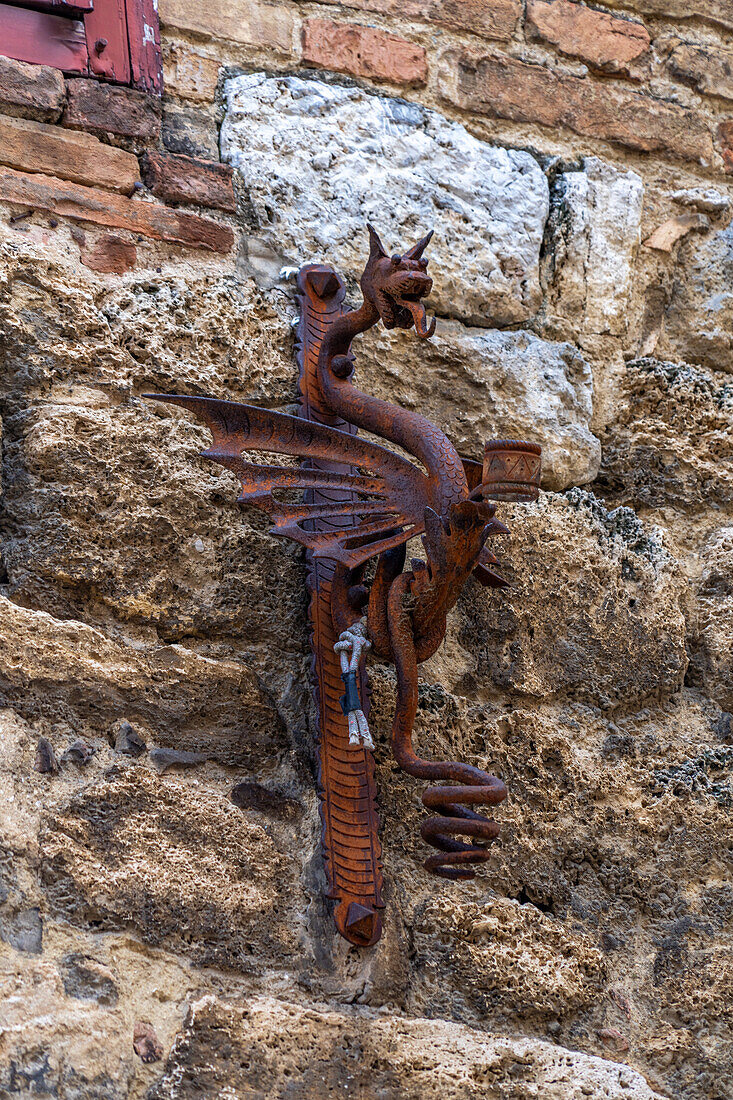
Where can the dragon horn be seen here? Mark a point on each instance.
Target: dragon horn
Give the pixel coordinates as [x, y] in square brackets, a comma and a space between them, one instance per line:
[376, 248]
[415, 253]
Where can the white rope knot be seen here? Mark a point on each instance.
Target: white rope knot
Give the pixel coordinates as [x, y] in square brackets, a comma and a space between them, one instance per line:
[355, 641]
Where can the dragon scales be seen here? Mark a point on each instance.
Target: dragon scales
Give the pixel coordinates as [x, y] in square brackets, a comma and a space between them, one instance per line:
[364, 501]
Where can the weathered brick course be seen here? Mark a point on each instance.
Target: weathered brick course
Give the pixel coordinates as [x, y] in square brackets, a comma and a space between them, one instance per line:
[31, 91]
[495, 20]
[714, 11]
[184, 179]
[709, 71]
[90, 204]
[108, 109]
[254, 23]
[603, 41]
[504, 87]
[363, 51]
[81, 158]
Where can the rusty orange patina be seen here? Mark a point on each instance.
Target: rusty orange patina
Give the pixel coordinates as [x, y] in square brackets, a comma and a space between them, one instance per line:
[364, 501]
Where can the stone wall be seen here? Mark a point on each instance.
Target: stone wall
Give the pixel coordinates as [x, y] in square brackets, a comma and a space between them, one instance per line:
[163, 932]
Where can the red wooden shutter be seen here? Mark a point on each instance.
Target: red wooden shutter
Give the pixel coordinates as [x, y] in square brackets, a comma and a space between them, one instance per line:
[116, 40]
[55, 7]
[43, 39]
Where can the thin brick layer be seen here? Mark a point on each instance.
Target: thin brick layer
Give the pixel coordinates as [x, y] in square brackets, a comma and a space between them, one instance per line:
[504, 87]
[89, 204]
[363, 51]
[78, 157]
[185, 179]
[107, 109]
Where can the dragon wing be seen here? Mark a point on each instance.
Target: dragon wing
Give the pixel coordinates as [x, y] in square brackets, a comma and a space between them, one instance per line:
[389, 494]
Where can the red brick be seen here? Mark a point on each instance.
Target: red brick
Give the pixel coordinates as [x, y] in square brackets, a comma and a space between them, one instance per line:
[109, 254]
[31, 91]
[363, 51]
[603, 41]
[107, 109]
[724, 135]
[37, 147]
[504, 87]
[89, 204]
[184, 179]
[495, 19]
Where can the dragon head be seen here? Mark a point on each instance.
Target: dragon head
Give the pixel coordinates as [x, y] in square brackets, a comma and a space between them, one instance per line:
[396, 285]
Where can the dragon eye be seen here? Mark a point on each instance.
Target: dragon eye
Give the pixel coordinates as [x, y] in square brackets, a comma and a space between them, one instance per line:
[396, 261]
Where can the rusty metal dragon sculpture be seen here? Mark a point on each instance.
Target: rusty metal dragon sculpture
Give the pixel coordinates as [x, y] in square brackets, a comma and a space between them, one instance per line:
[363, 501]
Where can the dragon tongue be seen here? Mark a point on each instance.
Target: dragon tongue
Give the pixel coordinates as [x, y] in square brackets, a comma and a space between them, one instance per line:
[417, 309]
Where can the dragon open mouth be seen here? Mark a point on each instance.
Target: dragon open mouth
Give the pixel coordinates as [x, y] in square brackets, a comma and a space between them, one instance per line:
[419, 316]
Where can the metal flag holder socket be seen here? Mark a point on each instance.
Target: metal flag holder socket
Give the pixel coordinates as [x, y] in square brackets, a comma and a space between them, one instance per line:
[363, 501]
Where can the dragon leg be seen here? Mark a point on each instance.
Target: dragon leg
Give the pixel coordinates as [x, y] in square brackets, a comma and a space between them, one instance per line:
[473, 786]
[389, 566]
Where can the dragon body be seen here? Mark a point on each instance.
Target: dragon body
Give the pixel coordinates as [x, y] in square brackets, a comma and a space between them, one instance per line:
[364, 501]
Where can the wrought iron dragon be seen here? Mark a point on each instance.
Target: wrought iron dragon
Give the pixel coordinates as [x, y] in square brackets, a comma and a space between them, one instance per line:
[363, 501]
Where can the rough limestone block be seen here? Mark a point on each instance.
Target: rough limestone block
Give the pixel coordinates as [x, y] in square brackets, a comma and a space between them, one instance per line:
[513, 952]
[596, 229]
[319, 160]
[41, 1017]
[667, 446]
[182, 699]
[698, 323]
[480, 384]
[188, 869]
[31, 91]
[594, 611]
[228, 1048]
[713, 653]
[228, 574]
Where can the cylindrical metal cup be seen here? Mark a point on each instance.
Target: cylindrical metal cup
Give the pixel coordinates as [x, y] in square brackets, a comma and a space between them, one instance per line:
[511, 470]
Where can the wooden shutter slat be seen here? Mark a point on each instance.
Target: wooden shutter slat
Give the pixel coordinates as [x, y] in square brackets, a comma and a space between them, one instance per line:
[73, 8]
[108, 23]
[43, 39]
[144, 34]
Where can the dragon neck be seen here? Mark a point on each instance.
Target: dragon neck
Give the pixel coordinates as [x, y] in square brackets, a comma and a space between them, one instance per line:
[408, 430]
